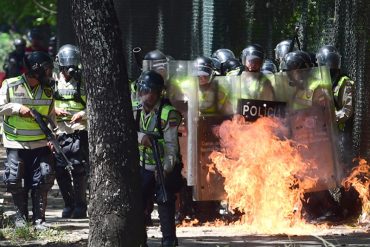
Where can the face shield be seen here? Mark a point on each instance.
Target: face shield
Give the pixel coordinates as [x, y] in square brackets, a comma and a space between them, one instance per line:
[330, 59]
[159, 66]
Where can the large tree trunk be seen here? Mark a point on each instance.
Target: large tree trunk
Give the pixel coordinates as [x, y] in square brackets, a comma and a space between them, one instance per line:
[115, 209]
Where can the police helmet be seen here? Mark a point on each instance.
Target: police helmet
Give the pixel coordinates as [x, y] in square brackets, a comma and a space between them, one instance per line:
[251, 53]
[19, 42]
[269, 66]
[282, 49]
[296, 60]
[231, 64]
[38, 63]
[223, 54]
[329, 56]
[217, 66]
[68, 56]
[203, 66]
[158, 61]
[150, 81]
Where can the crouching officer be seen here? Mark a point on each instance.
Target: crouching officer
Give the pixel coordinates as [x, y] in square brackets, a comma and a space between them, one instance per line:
[158, 119]
[29, 160]
[70, 105]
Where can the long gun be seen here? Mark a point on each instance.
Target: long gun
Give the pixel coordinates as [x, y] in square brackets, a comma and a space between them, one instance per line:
[138, 58]
[159, 167]
[40, 120]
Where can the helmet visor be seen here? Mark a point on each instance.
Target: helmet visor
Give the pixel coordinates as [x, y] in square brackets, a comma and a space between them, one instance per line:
[331, 59]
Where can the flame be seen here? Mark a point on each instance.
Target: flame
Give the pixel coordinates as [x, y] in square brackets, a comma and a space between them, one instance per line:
[360, 180]
[264, 175]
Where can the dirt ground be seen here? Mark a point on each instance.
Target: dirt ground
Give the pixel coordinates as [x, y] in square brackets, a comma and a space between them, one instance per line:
[75, 232]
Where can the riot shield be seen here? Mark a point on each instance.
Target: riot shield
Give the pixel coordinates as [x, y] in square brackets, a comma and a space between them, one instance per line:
[312, 123]
[261, 95]
[181, 90]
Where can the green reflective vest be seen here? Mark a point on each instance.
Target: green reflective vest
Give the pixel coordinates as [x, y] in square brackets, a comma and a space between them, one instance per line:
[150, 126]
[67, 100]
[303, 98]
[336, 92]
[23, 129]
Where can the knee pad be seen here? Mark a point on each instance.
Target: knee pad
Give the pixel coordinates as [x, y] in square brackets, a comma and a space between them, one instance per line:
[14, 173]
[46, 177]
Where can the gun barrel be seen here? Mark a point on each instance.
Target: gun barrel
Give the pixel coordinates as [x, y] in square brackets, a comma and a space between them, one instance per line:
[159, 168]
[138, 58]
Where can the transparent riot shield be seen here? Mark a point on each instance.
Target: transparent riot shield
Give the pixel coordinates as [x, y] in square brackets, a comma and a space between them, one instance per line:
[261, 95]
[181, 90]
[312, 122]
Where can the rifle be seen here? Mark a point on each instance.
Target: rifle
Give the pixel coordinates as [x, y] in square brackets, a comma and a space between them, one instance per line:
[138, 58]
[159, 167]
[295, 39]
[50, 136]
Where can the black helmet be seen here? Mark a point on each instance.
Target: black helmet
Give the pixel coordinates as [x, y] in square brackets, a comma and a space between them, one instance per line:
[150, 81]
[232, 64]
[217, 66]
[68, 56]
[296, 60]
[294, 64]
[329, 56]
[251, 52]
[19, 42]
[269, 66]
[222, 55]
[37, 63]
[203, 66]
[282, 49]
[156, 60]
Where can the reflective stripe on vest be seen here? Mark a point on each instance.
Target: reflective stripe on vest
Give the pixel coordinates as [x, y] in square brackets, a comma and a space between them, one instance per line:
[150, 127]
[69, 103]
[17, 128]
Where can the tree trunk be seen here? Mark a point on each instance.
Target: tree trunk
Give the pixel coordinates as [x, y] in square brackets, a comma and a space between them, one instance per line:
[65, 31]
[115, 208]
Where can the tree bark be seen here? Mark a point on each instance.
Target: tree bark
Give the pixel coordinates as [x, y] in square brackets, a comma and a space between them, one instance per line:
[115, 207]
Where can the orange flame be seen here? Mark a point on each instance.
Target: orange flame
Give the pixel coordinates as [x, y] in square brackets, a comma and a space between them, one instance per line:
[360, 180]
[264, 175]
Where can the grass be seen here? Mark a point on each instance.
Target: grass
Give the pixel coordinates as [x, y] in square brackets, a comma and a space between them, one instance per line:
[28, 233]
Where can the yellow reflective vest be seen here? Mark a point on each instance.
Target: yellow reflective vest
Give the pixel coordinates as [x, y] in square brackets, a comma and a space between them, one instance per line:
[23, 129]
[67, 98]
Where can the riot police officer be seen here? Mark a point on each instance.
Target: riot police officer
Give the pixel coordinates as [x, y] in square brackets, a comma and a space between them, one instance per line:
[255, 85]
[157, 61]
[268, 67]
[311, 101]
[159, 120]
[213, 98]
[29, 163]
[343, 93]
[281, 49]
[70, 108]
[14, 65]
[219, 57]
[232, 66]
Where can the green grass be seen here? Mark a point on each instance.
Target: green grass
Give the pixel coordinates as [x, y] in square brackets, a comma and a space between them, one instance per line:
[28, 233]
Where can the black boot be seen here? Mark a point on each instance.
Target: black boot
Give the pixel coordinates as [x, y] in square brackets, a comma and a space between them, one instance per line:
[21, 210]
[66, 189]
[80, 186]
[37, 209]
